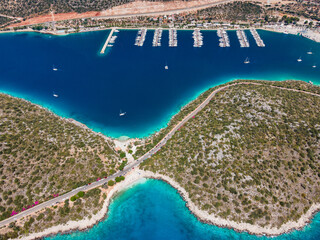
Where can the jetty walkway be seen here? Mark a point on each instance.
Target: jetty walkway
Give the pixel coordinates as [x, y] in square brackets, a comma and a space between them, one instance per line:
[107, 41]
[136, 163]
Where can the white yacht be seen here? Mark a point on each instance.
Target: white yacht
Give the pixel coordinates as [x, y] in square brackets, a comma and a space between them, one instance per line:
[54, 68]
[310, 52]
[299, 59]
[314, 66]
[166, 67]
[122, 113]
[246, 61]
[55, 95]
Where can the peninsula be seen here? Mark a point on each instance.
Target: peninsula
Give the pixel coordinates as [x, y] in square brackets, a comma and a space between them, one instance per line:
[244, 155]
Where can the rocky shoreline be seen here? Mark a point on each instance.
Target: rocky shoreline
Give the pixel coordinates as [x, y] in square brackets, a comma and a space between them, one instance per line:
[136, 176]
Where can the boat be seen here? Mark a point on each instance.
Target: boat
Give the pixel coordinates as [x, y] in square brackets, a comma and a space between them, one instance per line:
[299, 59]
[54, 68]
[166, 67]
[55, 95]
[314, 66]
[310, 52]
[122, 113]
[246, 61]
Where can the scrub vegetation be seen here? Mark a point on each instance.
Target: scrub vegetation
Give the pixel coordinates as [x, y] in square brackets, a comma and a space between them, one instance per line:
[251, 155]
[43, 156]
[31, 8]
[83, 207]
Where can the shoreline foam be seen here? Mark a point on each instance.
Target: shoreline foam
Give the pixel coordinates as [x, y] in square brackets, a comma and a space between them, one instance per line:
[135, 176]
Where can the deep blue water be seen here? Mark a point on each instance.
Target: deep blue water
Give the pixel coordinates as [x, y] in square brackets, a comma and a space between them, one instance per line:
[93, 88]
[153, 210]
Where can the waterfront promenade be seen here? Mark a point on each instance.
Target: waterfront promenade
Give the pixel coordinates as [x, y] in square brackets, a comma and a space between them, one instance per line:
[136, 163]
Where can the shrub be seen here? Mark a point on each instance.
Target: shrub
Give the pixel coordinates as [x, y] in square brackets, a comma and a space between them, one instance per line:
[110, 183]
[81, 194]
[73, 198]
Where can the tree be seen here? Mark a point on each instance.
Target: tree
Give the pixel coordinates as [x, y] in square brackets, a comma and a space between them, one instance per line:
[81, 194]
[110, 183]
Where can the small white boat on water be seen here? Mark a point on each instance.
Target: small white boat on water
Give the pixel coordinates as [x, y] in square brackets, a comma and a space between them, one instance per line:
[54, 68]
[310, 52]
[314, 66]
[166, 67]
[55, 95]
[246, 61]
[299, 59]
[122, 113]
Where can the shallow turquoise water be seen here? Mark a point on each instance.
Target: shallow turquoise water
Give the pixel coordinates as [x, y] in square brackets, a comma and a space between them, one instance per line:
[153, 210]
[93, 88]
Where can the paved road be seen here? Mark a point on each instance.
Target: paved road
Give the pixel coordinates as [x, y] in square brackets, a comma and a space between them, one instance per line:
[135, 163]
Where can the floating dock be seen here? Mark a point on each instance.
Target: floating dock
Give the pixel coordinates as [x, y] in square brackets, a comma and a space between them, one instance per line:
[197, 38]
[257, 37]
[157, 37]
[243, 38]
[173, 41]
[141, 37]
[110, 39]
[223, 38]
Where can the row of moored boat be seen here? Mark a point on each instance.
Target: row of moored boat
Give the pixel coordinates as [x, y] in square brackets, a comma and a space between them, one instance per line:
[196, 35]
[173, 40]
[141, 37]
[257, 38]
[197, 38]
[243, 38]
[157, 37]
[223, 38]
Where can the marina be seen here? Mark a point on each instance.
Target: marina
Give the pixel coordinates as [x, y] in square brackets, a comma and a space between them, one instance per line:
[197, 37]
[243, 38]
[173, 41]
[141, 37]
[157, 37]
[257, 38]
[110, 40]
[223, 38]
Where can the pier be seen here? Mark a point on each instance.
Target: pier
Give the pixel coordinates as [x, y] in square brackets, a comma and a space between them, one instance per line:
[223, 38]
[257, 38]
[157, 37]
[173, 41]
[243, 38]
[197, 37]
[110, 39]
[141, 37]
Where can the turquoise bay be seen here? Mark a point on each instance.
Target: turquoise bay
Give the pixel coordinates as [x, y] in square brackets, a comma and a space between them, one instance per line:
[93, 88]
[154, 210]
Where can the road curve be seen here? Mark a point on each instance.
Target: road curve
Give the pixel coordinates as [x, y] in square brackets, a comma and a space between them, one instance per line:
[139, 160]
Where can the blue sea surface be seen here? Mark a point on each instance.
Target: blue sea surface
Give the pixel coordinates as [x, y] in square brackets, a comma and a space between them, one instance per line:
[153, 210]
[94, 88]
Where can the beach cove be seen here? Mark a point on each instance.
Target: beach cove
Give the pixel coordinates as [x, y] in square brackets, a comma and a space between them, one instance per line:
[151, 209]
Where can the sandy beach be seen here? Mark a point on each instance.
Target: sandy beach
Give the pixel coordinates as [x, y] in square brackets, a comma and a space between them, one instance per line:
[138, 176]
